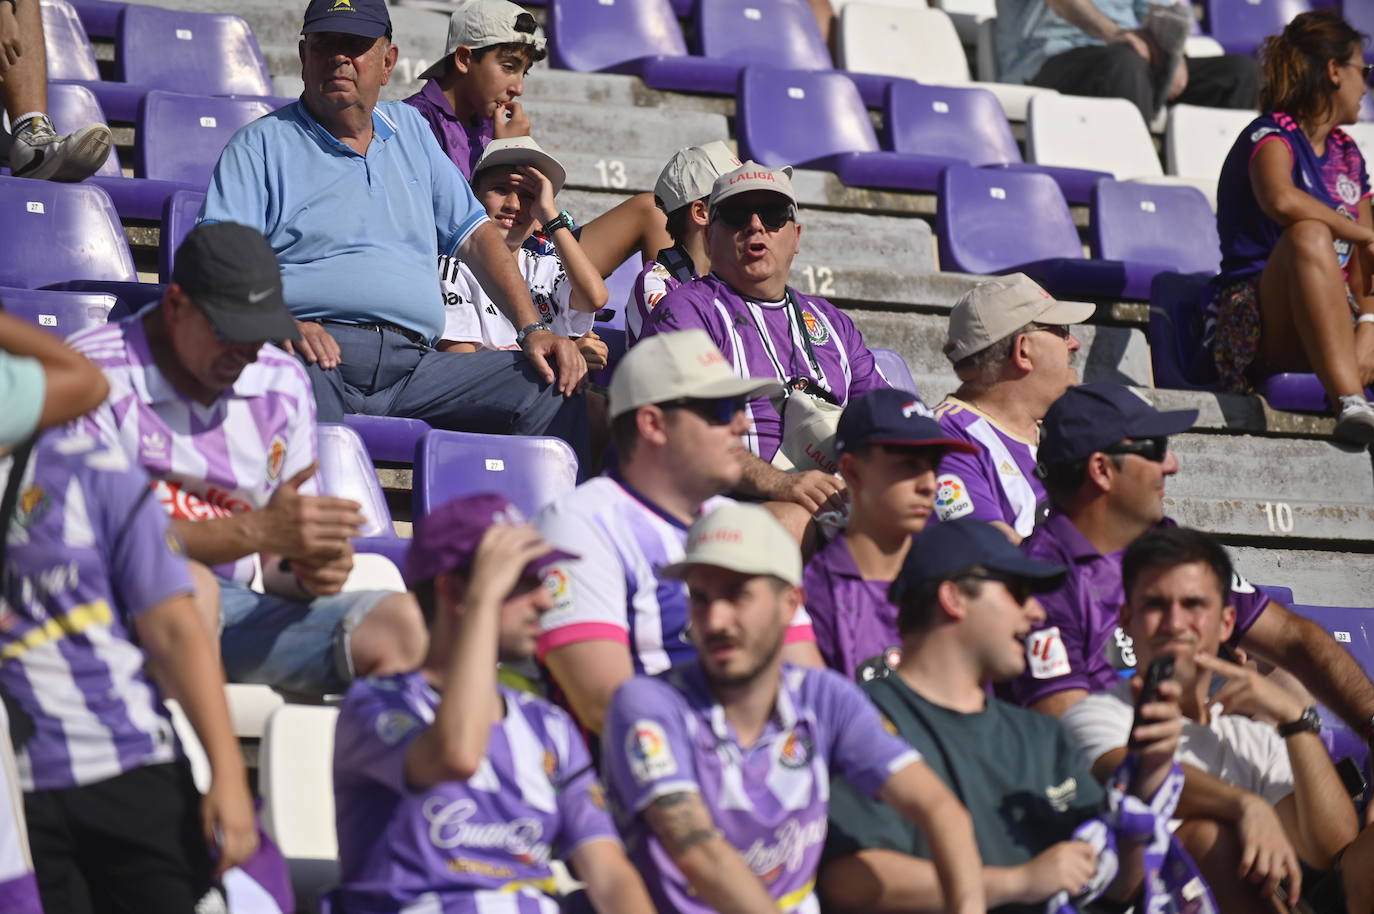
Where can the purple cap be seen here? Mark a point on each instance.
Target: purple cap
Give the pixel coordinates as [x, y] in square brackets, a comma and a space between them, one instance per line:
[446, 538]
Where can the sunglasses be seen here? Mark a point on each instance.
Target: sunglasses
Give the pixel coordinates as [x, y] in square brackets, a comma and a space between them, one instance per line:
[1155, 449]
[716, 411]
[1060, 330]
[1019, 588]
[773, 215]
[1364, 68]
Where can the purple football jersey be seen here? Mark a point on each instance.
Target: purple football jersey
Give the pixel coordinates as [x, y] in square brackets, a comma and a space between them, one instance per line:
[463, 143]
[89, 550]
[772, 340]
[471, 846]
[854, 622]
[1080, 645]
[666, 734]
[997, 483]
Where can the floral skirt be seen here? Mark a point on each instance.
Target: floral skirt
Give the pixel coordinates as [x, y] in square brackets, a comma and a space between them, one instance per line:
[1235, 345]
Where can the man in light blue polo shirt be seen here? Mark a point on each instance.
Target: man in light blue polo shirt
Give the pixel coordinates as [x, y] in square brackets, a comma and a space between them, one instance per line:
[357, 201]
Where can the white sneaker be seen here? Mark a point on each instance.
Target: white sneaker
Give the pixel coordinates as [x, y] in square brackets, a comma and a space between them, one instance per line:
[1355, 423]
[38, 152]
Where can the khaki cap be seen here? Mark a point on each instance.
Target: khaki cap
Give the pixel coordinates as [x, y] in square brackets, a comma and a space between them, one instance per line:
[753, 176]
[521, 150]
[691, 173]
[481, 24]
[671, 366]
[743, 538]
[995, 309]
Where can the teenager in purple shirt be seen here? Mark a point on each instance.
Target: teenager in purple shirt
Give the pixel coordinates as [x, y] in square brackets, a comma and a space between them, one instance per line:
[890, 449]
[1297, 236]
[719, 769]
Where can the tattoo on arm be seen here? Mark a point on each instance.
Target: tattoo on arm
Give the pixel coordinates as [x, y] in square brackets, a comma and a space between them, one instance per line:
[681, 821]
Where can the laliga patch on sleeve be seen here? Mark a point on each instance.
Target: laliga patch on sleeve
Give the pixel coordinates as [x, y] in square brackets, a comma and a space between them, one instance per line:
[559, 585]
[392, 726]
[951, 497]
[646, 749]
[1046, 654]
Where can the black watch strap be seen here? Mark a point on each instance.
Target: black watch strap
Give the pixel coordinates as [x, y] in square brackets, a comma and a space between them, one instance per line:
[1308, 722]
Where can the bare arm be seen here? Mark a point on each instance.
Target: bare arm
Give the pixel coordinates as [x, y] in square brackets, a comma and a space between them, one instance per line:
[919, 795]
[803, 653]
[73, 385]
[715, 870]
[1284, 202]
[1056, 704]
[812, 489]
[589, 672]
[613, 884]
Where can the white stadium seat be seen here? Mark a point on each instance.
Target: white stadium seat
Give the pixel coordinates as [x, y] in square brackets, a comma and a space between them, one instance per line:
[296, 780]
[1197, 141]
[1107, 134]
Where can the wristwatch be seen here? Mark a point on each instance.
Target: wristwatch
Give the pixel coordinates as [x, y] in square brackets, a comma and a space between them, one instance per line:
[527, 330]
[564, 219]
[1309, 722]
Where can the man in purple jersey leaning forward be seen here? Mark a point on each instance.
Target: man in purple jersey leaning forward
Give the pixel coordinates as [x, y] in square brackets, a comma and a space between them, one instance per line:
[454, 793]
[719, 769]
[765, 328]
[1012, 347]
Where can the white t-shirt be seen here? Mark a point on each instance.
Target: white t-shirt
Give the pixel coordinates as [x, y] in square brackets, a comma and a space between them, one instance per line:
[470, 316]
[1236, 749]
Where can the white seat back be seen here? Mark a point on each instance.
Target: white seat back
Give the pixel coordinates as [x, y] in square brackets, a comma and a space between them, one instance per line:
[296, 779]
[911, 42]
[1105, 134]
[1198, 139]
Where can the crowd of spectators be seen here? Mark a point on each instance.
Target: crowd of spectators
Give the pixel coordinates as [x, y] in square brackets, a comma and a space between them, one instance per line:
[800, 641]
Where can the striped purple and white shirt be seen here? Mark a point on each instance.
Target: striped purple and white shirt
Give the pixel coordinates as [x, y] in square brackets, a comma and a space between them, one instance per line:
[88, 551]
[205, 461]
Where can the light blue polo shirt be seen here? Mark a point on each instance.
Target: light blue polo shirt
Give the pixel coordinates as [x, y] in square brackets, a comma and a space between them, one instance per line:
[23, 385]
[357, 236]
[1030, 33]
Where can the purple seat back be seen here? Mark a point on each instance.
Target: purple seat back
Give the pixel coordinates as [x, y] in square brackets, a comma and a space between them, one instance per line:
[590, 35]
[129, 297]
[783, 33]
[988, 220]
[346, 471]
[52, 232]
[1353, 629]
[962, 123]
[389, 439]
[1242, 25]
[1175, 333]
[180, 137]
[784, 117]
[1171, 225]
[1277, 592]
[178, 218]
[72, 107]
[212, 53]
[100, 17]
[895, 369]
[70, 55]
[530, 471]
[62, 313]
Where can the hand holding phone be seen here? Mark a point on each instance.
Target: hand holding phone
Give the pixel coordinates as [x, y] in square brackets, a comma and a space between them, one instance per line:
[1161, 669]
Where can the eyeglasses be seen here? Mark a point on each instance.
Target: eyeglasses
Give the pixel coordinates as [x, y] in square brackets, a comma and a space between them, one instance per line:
[1155, 449]
[773, 215]
[1364, 68]
[717, 411]
[1060, 330]
[1019, 588]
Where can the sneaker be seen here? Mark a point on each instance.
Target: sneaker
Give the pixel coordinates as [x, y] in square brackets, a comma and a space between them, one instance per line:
[1355, 423]
[38, 152]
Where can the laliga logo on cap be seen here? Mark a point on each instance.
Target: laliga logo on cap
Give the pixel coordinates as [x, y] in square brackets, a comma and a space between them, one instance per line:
[753, 176]
[728, 535]
[710, 358]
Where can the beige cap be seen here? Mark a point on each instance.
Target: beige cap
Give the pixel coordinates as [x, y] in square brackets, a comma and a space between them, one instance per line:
[671, 366]
[521, 150]
[481, 24]
[691, 173]
[997, 308]
[753, 176]
[743, 538]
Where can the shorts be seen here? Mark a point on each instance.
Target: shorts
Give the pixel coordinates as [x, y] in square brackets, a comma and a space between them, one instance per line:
[1236, 344]
[292, 645]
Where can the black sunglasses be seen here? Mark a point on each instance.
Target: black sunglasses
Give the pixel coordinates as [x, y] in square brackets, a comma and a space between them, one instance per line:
[716, 411]
[1060, 330]
[1019, 588]
[1155, 449]
[1364, 68]
[773, 215]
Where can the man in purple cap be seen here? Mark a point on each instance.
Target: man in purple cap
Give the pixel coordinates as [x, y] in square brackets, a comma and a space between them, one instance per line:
[719, 770]
[1104, 458]
[452, 792]
[890, 450]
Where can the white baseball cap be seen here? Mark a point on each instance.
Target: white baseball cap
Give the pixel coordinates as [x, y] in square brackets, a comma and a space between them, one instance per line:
[753, 176]
[483, 23]
[743, 538]
[996, 308]
[691, 173]
[673, 366]
[521, 150]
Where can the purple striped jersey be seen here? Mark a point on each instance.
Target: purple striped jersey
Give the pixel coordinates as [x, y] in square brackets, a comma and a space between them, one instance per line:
[206, 461]
[89, 550]
[18, 886]
[460, 847]
[666, 734]
[997, 483]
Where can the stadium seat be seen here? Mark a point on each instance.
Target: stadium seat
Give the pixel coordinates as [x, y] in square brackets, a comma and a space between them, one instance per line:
[172, 49]
[388, 439]
[178, 218]
[1277, 592]
[296, 781]
[530, 471]
[1153, 223]
[895, 369]
[1197, 141]
[100, 17]
[72, 106]
[52, 232]
[1242, 25]
[63, 313]
[1363, 135]
[1353, 629]
[180, 137]
[346, 471]
[130, 297]
[69, 51]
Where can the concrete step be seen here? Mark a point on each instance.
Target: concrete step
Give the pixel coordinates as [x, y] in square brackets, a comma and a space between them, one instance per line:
[1319, 578]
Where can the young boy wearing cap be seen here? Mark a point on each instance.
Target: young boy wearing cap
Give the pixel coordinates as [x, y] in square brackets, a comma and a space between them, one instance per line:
[966, 599]
[890, 450]
[1012, 347]
[719, 769]
[453, 792]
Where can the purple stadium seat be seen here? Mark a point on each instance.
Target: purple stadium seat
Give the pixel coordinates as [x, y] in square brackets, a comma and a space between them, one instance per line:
[1277, 592]
[214, 53]
[54, 232]
[71, 107]
[129, 297]
[100, 17]
[63, 313]
[178, 218]
[1242, 25]
[389, 439]
[895, 369]
[1298, 392]
[1171, 225]
[1175, 332]
[70, 55]
[529, 471]
[1353, 629]
[180, 137]
[346, 472]
[588, 35]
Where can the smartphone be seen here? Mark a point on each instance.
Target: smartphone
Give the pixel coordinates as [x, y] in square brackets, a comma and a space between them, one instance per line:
[1352, 777]
[1161, 670]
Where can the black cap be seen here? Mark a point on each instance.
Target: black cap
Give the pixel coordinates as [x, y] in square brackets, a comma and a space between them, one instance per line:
[896, 418]
[1093, 417]
[945, 550]
[368, 18]
[231, 274]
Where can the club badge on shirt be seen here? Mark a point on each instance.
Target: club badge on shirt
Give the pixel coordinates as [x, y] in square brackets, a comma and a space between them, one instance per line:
[392, 726]
[646, 747]
[795, 751]
[819, 333]
[1046, 654]
[951, 497]
[276, 458]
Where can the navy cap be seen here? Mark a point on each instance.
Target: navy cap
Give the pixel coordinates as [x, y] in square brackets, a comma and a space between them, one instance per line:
[1093, 417]
[368, 18]
[943, 551]
[446, 538]
[893, 417]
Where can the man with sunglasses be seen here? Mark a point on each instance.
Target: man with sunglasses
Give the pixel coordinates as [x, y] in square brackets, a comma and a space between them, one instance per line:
[677, 412]
[766, 328]
[1012, 347]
